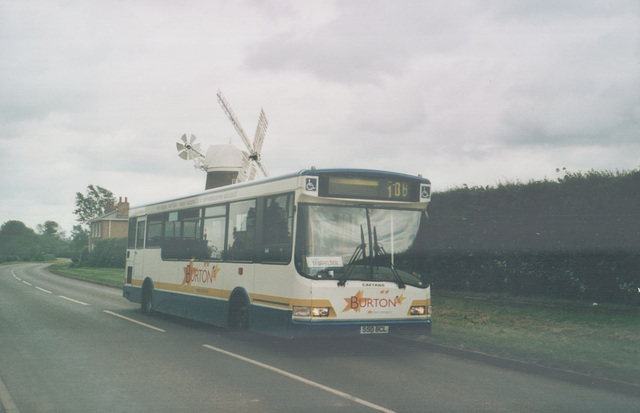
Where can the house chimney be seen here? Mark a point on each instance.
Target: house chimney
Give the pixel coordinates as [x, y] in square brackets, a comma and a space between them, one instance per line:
[123, 208]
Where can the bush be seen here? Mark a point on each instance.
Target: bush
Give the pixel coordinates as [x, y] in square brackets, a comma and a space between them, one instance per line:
[109, 253]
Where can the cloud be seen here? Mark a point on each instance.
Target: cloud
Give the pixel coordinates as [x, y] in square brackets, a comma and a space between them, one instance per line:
[364, 43]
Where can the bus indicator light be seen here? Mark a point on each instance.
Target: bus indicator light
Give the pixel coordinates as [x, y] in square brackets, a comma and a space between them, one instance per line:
[301, 311]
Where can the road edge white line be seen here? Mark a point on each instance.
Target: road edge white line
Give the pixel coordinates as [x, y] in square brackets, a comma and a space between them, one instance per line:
[29, 284]
[72, 300]
[6, 401]
[43, 290]
[301, 379]
[133, 321]
[15, 276]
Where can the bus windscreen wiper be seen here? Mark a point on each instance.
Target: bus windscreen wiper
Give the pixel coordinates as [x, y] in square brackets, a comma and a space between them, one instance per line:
[379, 251]
[359, 253]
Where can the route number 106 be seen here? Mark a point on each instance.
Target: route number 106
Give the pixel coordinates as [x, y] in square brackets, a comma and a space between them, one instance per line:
[398, 190]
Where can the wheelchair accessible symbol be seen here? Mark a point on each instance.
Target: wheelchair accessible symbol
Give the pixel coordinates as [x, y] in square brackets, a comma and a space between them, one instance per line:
[311, 184]
[425, 192]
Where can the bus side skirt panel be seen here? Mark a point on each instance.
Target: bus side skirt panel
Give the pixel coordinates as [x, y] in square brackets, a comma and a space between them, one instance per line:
[204, 309]
[269, 320]
[132, 293]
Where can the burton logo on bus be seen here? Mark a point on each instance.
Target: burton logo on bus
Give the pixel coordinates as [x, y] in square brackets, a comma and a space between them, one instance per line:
[193, 274]
[358, 302]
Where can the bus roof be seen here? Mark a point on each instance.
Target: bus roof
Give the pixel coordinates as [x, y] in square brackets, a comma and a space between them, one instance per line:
[303, 172]
[372, 172]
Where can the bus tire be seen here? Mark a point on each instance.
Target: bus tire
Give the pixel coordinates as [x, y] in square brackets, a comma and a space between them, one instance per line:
[146, 303]
[239, 312]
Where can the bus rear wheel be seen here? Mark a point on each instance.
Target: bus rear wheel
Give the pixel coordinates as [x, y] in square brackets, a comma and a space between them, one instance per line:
[242, 318]
[239, 315]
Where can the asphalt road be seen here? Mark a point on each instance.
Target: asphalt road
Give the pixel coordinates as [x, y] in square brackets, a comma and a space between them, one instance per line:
[71, 346]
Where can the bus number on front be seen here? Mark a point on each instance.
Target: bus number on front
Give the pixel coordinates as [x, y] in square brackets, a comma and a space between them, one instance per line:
[398, 190]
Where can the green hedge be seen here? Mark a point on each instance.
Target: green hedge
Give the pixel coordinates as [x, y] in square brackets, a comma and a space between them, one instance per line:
[577, 237]
[598, 277]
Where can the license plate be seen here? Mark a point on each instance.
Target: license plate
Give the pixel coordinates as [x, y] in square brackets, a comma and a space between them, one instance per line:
[374, 329]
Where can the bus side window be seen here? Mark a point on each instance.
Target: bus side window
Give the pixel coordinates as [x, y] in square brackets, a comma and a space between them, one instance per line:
[241, 231]
[131, 236]
[140, 235]
[277, 228]
[214, 230]
[155, 224]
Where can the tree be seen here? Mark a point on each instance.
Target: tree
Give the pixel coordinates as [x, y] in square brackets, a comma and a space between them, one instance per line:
[52, 238]
[19, 242]
[79, 243]
[79, 238]
[93, 203]
[50, 229]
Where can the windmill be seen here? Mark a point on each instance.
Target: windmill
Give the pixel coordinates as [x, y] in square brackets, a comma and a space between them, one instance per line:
[227, 164]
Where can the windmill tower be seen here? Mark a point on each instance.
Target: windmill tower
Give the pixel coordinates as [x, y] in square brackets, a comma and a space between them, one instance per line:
[228, 164]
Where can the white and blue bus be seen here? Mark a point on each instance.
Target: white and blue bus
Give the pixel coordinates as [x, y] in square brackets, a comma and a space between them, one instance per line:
[318, 252]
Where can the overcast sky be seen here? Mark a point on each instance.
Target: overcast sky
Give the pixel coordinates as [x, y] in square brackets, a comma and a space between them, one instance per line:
[473, 92]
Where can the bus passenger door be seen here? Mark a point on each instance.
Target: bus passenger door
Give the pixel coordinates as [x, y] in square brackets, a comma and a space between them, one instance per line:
[138, 252]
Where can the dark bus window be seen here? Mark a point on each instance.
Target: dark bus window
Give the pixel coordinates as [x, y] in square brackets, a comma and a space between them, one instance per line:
[131, 236]
[172, 227]
[214, 230]
[140, 235]
[183, 236]
[277, 228]
[241, 230]
[155, 225]
[188, 214]
[191, 229]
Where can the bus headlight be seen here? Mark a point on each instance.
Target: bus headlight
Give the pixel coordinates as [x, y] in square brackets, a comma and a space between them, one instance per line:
[320, 312]
[417, 310]
[301, 311]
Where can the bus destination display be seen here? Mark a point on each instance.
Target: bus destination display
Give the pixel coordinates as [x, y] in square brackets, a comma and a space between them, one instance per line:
[396, 189]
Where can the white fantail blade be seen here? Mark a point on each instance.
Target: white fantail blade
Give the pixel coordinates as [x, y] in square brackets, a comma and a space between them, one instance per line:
[179, 146]
[232, 117]
[192, 138]
[184, 138]
[184, 155]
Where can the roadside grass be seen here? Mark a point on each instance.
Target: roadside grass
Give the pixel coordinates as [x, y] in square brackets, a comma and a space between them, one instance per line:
[601, 340]
[110, 276]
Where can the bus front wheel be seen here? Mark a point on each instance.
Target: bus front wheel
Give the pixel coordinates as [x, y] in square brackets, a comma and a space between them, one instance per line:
[146, 304]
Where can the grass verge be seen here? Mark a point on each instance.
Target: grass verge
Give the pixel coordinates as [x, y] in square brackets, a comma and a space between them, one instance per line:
[600, 340]
[109, 276]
